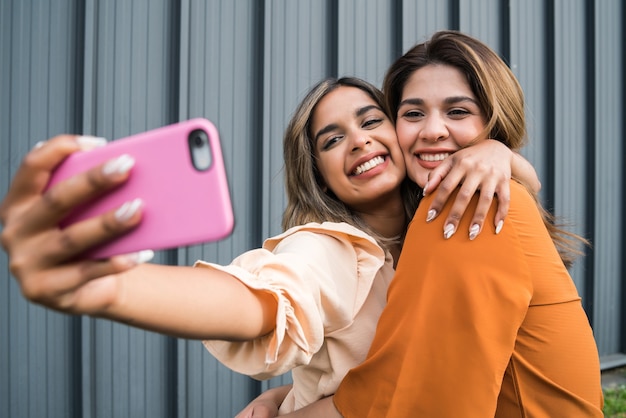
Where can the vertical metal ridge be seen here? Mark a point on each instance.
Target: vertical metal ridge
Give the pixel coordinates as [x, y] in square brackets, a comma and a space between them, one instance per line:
[590, 160]
[257, 119]
[550, 146]
[455, 14]
[332, 69]
[183, 54]
[505, 31]
[622, 272]
[176, 375]
[86, 389]
[175, 46]
[89, 66]
[79, 69]
[181, 44]
[397, 28]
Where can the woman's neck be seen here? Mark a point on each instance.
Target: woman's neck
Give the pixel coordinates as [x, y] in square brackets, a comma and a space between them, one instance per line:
[392, 227]
[389, 224]
[387, 220]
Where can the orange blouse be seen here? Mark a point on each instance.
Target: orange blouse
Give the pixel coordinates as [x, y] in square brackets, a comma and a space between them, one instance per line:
[487, 328]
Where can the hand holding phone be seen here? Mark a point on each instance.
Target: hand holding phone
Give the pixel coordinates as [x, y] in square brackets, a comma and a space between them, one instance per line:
[180, 177]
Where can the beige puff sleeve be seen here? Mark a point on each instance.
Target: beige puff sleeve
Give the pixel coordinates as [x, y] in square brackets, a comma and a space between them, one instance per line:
[320, 274]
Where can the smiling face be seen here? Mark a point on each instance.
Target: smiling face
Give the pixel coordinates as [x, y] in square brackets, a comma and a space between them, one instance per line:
[356, 149]
[438, 115]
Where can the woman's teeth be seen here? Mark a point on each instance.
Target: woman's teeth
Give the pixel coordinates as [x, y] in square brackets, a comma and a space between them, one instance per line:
[366, 166]
[434, 157]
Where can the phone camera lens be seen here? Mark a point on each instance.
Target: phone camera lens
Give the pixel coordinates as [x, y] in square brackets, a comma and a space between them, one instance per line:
[198, 141]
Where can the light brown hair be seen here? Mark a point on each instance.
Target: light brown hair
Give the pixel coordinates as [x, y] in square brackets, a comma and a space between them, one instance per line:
[499, 95]
[307, 197]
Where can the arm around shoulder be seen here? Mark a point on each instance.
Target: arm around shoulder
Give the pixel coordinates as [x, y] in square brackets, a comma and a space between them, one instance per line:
[522, 169]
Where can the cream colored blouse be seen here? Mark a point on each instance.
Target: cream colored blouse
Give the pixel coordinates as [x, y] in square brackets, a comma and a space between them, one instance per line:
[331, 283]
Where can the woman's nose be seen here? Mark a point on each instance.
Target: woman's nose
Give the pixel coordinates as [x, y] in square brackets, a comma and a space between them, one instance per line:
[360, 141]
[434, 129]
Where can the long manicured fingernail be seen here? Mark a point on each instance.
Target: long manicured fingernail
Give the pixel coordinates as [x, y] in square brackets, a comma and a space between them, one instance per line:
[431, 215]
[39, 144]
[127, 210]
[424, 189]
[119, 165]
[448, 231]
[499, 226]
[140, 257]
[87, 142]
[473, 232]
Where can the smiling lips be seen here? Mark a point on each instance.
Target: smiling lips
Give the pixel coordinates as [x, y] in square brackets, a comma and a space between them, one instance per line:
[368, 165]
[440, 156]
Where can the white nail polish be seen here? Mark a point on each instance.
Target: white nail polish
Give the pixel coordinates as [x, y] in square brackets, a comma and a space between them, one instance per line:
[424, 189]
[144, 256]
[140, 257]
[119, 165]
[87, 142]
[448, 231]
[39, 144]
[127, 210]
[473, 232]
[499, 226]
[431, 215]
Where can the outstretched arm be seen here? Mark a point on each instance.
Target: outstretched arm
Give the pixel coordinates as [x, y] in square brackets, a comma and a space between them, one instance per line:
[44, 259]
[486, 168]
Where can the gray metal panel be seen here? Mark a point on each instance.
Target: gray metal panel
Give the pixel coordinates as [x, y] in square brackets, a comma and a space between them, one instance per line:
[114, 68]
[365, 43]
[220, 78]
[609, 148]
[420, 19]
[296, 55]
[127, 90]
[570, 118]
[37, 101]
[482, 19]
[530, 68]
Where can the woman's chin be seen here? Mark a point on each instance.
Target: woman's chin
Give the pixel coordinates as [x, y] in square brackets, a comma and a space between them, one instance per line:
[420, 178]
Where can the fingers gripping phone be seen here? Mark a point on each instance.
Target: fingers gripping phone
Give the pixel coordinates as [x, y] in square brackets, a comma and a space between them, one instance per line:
[179, 175]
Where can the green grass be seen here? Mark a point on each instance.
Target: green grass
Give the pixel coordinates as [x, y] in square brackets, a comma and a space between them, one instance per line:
[615, 402]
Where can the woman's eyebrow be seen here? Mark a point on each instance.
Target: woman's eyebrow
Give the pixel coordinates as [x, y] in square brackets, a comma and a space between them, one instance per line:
[365, 109]
[411, 101]
[325, 129]
[448, 100]
[459, 99]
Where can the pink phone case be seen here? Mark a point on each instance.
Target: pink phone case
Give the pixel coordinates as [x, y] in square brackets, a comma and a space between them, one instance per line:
[182, 205]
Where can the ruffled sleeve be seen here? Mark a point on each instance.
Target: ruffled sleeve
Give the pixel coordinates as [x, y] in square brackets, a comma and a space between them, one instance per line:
[320, 275]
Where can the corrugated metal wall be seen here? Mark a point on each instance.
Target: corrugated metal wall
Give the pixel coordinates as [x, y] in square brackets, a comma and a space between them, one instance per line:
[113, 68]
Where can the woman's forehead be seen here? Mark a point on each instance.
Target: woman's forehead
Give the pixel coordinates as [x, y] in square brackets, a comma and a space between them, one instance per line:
[341, 103]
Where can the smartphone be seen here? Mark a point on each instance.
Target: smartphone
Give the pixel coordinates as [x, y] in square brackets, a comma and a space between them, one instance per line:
[180, 176]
